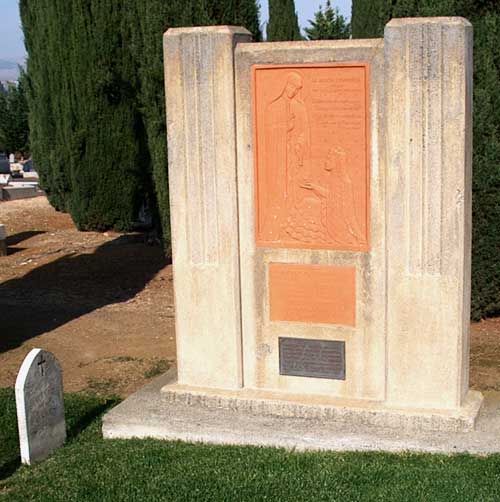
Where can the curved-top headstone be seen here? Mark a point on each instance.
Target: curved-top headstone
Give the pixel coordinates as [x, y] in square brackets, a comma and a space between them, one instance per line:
[40, 406]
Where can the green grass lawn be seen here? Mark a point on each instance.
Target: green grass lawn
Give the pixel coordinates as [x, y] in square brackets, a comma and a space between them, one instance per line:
[91, 469]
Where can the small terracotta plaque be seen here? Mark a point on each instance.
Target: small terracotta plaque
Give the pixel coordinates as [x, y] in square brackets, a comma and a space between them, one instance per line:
[311, 136]
[312, 293]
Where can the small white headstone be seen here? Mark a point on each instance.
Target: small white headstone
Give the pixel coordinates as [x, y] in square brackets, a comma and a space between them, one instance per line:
[40, 406]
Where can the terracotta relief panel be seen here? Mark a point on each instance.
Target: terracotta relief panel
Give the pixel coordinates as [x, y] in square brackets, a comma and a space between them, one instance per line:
[311, 137]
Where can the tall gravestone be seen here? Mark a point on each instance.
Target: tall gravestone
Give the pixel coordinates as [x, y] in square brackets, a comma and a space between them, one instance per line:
[321, 223]
[40, 406]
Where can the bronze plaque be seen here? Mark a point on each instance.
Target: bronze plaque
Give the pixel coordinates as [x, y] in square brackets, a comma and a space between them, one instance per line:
[312, 155]
[312, 358]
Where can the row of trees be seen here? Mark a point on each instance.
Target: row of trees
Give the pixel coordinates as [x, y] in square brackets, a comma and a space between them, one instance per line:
[97, 107]
[97, 116]
[368, 20]
[14, 131]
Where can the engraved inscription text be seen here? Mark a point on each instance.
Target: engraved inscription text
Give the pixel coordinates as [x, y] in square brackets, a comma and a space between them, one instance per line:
[312, 358]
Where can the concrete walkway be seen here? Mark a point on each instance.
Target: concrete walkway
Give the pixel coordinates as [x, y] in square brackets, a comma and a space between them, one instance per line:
[148, 414]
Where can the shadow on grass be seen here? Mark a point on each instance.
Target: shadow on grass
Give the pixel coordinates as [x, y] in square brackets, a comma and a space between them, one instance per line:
[82, 422]
[81, 411]
[9, 468]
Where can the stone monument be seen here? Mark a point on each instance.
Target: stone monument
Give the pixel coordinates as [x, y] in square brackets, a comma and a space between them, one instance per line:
[40, 406]
[321, 223]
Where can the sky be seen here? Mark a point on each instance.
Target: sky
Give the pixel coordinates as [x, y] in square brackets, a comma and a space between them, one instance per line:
[11, 37]
[306, 9]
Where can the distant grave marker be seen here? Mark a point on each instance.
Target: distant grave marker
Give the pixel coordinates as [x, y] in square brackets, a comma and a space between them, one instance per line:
[3, 241]
[40, 406]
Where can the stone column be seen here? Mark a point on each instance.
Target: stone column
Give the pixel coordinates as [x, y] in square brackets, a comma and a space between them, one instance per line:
[429, 154]
[199, 80]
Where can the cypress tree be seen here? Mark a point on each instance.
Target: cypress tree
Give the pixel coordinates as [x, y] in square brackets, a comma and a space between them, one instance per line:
[14, 116]
[83, 115]
[283, 22]
[97, 106]
[368, 20]
[328, 24]
[148, 20]
[237, 13]
[486, 166]
[45, 96]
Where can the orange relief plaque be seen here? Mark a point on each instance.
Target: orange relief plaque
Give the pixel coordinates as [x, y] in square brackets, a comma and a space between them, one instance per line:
[312, 293]
[312, 156]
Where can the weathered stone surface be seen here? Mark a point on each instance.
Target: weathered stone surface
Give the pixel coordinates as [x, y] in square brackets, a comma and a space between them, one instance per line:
[428, 68]
[233, 418]
[199, 77]
[40, 406]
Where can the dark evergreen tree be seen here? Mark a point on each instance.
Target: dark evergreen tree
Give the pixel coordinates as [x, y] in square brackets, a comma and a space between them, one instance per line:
[148, 20]
[14, 130]
[83, 114]
[328, 24]
[283, 22]
[368, 20]
[96, 91]
[237, 13]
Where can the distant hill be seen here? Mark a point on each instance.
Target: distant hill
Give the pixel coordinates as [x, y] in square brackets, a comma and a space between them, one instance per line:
[8, 65]
[9, 69]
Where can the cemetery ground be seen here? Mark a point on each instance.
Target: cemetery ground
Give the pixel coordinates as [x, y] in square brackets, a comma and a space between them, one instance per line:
[103, 304]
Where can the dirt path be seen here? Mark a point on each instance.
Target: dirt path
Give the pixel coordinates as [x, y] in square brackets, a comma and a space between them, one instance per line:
[103, 304]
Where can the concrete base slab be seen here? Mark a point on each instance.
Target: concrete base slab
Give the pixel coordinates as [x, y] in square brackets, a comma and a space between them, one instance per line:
[348, 411]
[20, 191]
[150, 413]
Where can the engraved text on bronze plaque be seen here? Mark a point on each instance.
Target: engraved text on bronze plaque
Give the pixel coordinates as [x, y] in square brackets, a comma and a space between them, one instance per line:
[312, 358]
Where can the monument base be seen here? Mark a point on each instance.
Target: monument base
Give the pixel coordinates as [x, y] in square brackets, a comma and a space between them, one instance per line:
[151, 413]
[324, 408]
